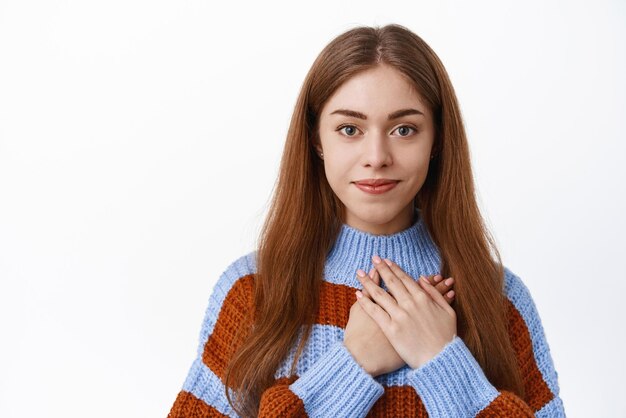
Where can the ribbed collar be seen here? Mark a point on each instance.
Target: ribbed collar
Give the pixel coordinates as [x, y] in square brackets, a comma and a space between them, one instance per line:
[412, 249]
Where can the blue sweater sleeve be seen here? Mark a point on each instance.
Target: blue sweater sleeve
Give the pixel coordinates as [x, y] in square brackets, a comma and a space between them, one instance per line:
[452, 384]
[337, 386]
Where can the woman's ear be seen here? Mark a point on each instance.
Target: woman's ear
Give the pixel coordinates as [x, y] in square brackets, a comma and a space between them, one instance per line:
[317, 144]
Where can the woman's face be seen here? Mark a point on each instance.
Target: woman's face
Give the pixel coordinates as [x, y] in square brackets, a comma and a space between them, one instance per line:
[360, 143]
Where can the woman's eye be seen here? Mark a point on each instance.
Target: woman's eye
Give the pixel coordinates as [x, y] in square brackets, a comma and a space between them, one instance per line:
[351, 130]
[406, 127]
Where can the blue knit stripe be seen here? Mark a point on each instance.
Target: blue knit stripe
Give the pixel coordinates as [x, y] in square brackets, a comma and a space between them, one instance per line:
[242, 266]
[553, 409]
[322, 338]
[207, 386]
[201, 381]
[452, 384]
[337, 386]
[519, 295]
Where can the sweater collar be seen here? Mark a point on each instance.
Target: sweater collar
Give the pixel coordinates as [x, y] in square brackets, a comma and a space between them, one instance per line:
[412, 249]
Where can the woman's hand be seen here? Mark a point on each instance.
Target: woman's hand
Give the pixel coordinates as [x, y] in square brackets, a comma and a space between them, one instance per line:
[416, 319]
[366, 341]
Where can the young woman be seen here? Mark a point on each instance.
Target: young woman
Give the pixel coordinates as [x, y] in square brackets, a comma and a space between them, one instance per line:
[375, 176]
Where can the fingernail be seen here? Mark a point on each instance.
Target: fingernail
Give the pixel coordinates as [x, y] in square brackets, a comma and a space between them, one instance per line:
[376, 259]
[438, 277]
[360, 273]
[449, 281]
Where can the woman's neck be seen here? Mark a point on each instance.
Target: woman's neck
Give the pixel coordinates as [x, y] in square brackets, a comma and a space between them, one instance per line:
[400, 222]
[412, 249]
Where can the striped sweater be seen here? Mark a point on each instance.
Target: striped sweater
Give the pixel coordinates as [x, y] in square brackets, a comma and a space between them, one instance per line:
[330, 383]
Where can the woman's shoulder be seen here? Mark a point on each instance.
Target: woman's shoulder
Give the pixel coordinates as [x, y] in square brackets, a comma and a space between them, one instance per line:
[516, 290]
[232, 288]
[525, 312]
[240, 268]
[234, 281]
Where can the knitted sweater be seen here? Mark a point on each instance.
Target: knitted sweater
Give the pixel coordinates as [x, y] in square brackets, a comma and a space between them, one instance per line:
[330, 383]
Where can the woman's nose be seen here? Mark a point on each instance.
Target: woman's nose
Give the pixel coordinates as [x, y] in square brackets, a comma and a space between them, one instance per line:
[377, 151]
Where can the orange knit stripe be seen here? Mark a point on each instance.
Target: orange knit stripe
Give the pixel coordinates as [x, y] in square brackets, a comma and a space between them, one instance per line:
[506, 404]
[187, 405]
[335, 303]
[220, 345]
[279, 401]
[537, 391]
[398, 401]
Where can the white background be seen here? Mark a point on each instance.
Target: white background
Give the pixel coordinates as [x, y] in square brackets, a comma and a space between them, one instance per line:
[140, 142]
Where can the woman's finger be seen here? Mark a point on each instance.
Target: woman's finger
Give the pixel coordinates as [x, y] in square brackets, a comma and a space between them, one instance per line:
[449, 296]
[377, 294]
[443, 286]
[395, 285]
[434, 293]
[409, 282]
[378, 314]
[373, 274]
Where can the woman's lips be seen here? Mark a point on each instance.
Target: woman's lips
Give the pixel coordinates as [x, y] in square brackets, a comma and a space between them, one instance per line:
[376, 189]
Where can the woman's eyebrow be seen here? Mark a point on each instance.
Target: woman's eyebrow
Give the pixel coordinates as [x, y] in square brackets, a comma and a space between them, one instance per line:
[391, 116]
